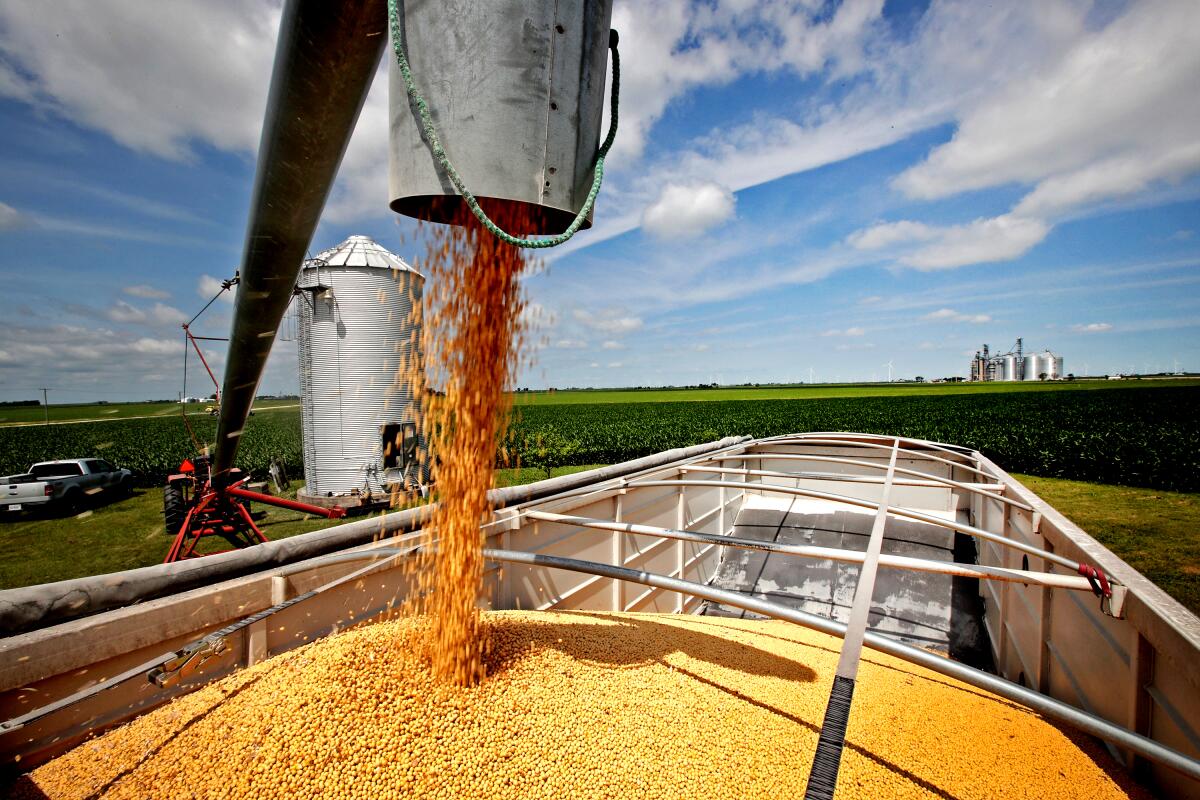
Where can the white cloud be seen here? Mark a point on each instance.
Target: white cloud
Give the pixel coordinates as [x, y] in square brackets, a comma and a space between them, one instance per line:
[147, 292]
[844, 332]
[615, 365]
[887, 234]
[79, 357]
[594, 365]
[570, 344]
[124, 312]
[688, 210]
[611, 345]
[1108, 118]
[950, 315]
[610, 321]
[984, 240]
[208, 286]
[1092, 327]
[674, 47]
[11, 219]
[930, 247]
[160, 314]
[201, 71]
[167, 315]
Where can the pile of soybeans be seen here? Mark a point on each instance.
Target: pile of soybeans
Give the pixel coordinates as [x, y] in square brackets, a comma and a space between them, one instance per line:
[578, 705]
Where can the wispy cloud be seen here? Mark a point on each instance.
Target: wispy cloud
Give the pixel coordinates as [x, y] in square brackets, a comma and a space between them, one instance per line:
[1092, 327]
[147, 292]
[950, 315]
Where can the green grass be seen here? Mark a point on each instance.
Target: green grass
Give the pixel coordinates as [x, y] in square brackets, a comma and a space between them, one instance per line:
[516, 477]
[125, 534]
[822, 391]
[1156, 532]
[129, 533]
[26, 415]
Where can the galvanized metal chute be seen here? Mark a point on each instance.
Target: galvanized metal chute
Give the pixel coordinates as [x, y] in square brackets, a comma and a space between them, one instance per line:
[519, 103]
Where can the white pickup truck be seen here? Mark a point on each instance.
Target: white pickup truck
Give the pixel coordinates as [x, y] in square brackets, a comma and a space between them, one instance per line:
[67, 483]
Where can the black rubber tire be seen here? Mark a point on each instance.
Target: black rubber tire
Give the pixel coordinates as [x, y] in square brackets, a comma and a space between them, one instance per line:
[174, 508]
[72, 502]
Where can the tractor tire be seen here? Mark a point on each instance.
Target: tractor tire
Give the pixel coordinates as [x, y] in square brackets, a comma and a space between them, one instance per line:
[174, 508]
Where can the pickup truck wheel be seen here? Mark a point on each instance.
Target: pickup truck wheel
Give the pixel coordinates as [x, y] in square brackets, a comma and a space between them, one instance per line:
[72, 502]
[174, 508]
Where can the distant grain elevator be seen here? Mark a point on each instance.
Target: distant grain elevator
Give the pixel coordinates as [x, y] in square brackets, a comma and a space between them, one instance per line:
[1016, 365]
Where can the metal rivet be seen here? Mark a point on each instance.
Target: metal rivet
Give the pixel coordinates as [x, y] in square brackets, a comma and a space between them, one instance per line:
[560, 29]
[554, 106]
[553, 170]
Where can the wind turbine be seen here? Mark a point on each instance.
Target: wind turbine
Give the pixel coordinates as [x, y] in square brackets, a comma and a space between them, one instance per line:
[810, 374]
[889, 366]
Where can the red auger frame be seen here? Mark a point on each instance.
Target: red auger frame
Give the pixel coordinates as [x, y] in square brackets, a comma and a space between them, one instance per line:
[200, 509]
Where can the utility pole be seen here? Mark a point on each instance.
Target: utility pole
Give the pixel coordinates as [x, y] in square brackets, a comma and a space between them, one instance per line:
[46, 404]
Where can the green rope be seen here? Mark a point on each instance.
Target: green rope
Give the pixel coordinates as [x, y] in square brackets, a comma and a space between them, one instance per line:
[443, 160]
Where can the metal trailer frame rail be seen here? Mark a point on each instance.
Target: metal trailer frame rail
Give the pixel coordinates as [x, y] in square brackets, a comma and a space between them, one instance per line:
[658, 516]
[1027, 577]
[899, 511]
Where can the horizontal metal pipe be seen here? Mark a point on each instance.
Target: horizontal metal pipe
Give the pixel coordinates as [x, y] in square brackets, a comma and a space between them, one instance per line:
[1035, 701]
[335, 512]
[853, 436]
[966, 487]
[870, 446]
[899, 511]
[1075, 582]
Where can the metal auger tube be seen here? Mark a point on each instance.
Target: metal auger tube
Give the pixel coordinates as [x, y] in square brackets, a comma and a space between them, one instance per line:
[324, 63]
[1035, 701]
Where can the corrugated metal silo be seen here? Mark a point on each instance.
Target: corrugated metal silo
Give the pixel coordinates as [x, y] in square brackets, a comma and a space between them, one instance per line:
[1012, 368]
[1058, 373]
[1033, 367]
[357, 329]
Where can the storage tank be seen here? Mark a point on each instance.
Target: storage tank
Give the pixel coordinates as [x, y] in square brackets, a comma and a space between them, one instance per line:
[1058, 368]
[1033, 367]
[357, 329]
[1012, 368]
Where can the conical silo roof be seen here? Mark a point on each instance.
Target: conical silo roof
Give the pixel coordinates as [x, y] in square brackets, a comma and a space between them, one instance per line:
[360, 251]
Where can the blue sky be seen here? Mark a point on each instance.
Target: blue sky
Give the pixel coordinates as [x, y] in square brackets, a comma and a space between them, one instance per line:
[798, 190]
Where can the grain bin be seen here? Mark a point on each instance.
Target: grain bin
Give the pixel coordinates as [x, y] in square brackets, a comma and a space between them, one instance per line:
[1051, 365]
[516, 92]
[1012, 367]
[1034, 367]
[357, 330]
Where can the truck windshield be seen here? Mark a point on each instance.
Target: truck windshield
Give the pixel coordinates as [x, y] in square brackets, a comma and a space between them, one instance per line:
[43, 471]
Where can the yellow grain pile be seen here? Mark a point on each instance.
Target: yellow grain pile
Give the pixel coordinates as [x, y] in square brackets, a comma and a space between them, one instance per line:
[579, 706]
